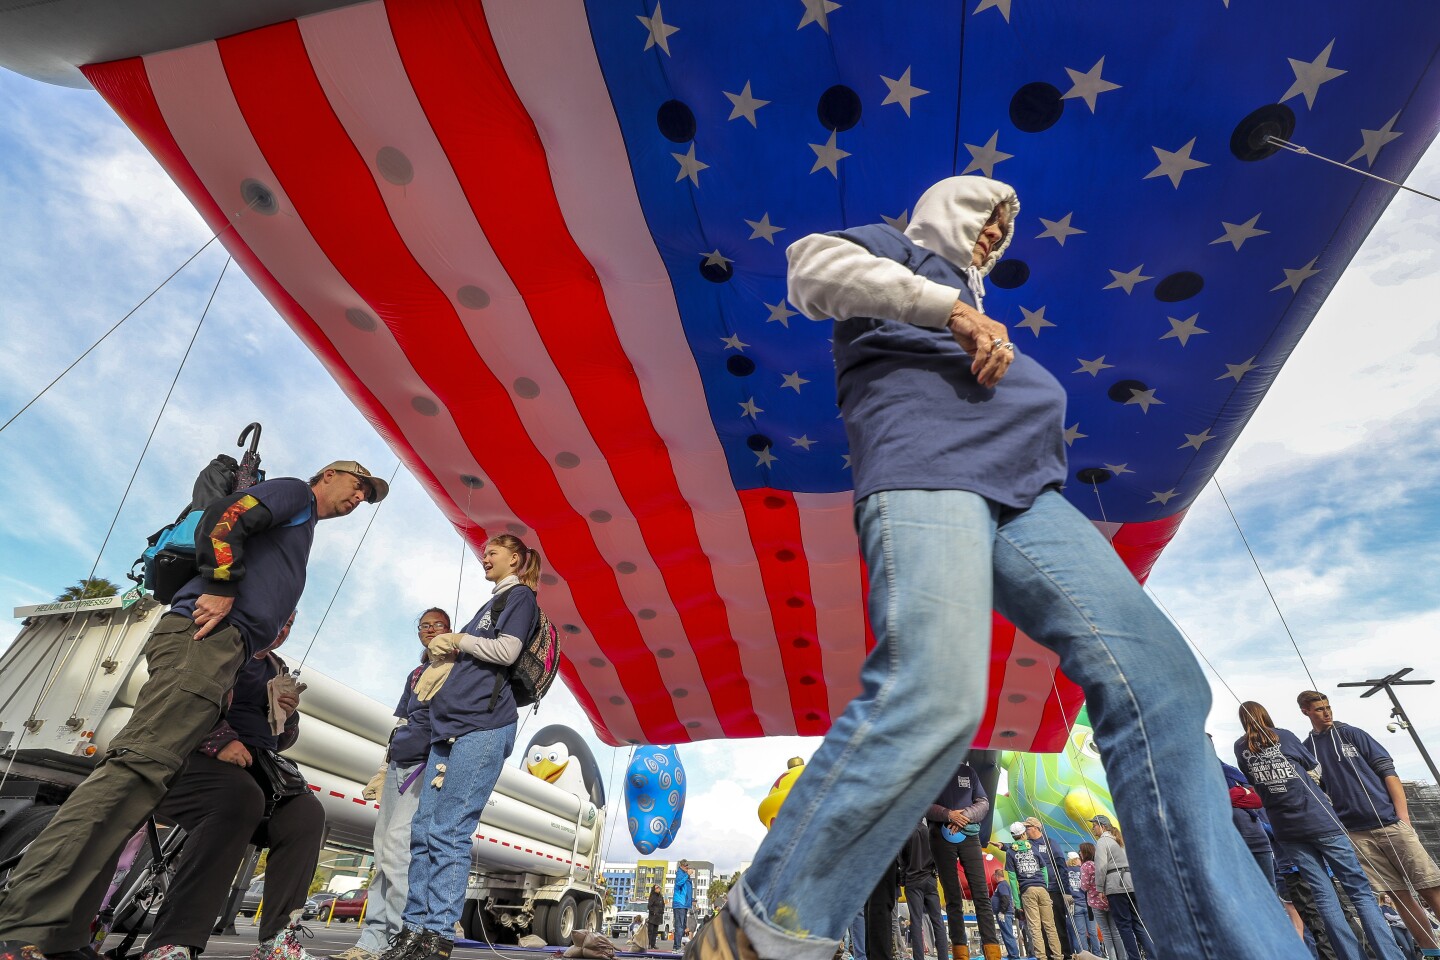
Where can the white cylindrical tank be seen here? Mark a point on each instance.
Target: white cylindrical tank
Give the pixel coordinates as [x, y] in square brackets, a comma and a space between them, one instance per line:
[340, 752]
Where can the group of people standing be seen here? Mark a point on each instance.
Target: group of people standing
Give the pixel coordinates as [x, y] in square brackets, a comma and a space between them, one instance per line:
[202, 748]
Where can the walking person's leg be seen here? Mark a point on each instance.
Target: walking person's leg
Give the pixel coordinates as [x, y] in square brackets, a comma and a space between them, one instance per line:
[386, 904]
[681, 916]
[924, 684]
[937, 920]
[1050, 929]
[1110, 936]
[913, 899]
[1312, 926]
[856, 933]
[1061, 914]
[293, 835]
[1058, 580]
[1122, 912]
[218, 805]
[1036, 902]
[56, 890]
[1142, 932]
[1007, 934]
[444, 823]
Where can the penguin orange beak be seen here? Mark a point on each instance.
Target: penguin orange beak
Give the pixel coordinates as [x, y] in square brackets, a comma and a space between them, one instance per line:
[548, 771]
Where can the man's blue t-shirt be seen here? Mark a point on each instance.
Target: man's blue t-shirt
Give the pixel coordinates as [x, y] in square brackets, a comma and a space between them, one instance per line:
[916, 417]
[463, 704]
[275, 560]
[1355, 766]
[1297, 806]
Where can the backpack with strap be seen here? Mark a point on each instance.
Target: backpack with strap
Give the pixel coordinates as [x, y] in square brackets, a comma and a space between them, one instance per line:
[533, 672]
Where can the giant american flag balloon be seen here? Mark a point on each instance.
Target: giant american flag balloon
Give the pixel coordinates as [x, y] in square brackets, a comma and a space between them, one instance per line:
[540, 243]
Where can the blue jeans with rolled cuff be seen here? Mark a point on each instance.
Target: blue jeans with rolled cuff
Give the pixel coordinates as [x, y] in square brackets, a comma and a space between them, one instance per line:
[1336, 851]
[938, 561]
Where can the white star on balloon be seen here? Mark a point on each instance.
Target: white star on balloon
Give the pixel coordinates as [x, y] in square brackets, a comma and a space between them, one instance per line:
[716, 259]
[1127, 281]
[1058, 230]
[985, 157]
[1175, 164]
[900, 222]
[1002, 5]
[827, 156]
[794, 381]
[1235, 371]
[1034, 320]
[1088, 85]
[744, 105]
[780, 312]
[733, 342]
[818, 11]
[1238, 233]
[1072, 433]
[1196, 440]
[763, 229]
[689, 166]
[763, 458]
[1310, 74]
[750, 410]
[1144, 398]
[802, 441]
[845, 465]
[660, 31]
[1118, 469]
[1164, 497]
[1093, 367]
[1183, 330]
[902, 91]
[1293, 278]
[1374, 140]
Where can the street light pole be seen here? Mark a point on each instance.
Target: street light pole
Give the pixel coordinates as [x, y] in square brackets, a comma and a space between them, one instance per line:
[1387, 683]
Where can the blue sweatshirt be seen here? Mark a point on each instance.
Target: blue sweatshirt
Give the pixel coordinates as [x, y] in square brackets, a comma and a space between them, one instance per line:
[1049, 852]
[1297, 806]
[1250, 823]
[684, 891]
[410, 743]
[916, 417]
[463, 704]
[963, 792]
[1027, 868]
[1355, 766]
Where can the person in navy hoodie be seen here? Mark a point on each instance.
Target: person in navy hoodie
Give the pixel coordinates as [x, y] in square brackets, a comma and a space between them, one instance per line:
[1370, 800]
[1308, 831]
[961, 807]
[957, 450]
[396, 785]
[472, 731]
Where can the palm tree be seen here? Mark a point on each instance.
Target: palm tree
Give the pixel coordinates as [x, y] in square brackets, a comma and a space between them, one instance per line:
[94, 588]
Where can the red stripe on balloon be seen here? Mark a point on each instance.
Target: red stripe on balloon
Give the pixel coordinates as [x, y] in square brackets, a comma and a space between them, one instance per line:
[125, 86]
[774, 522]
[335, 196]
[498, 158]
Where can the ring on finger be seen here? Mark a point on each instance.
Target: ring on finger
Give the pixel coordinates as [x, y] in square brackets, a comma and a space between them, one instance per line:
[1005, 345]
[997, 342]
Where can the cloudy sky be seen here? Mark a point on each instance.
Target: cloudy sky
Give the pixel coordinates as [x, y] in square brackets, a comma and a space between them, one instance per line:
[1336, 481]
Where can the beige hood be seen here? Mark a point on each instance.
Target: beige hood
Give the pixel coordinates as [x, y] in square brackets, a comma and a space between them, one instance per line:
[950, 215]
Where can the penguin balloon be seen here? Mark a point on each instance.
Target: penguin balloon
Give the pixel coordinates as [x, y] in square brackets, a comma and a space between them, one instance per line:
[558, 755]
[654, 797]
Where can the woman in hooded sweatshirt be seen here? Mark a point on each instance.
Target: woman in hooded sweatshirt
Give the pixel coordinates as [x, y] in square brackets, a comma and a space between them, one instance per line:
[1309, 833]
[957, 453]
[1112, 877]
[472, 730]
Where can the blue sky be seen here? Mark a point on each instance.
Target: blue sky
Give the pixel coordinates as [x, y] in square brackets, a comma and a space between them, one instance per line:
[1336, 480]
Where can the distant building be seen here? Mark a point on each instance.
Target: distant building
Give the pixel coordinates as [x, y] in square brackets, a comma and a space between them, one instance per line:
[1424, 802]
[702, 872]
[649, 873]
[620, 878]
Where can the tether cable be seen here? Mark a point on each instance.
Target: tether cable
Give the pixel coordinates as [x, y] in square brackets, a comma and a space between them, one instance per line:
[45, 688]
[216, 236]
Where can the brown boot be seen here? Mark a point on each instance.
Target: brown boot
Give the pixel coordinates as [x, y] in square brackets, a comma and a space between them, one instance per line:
[991, 951]
[959, 951]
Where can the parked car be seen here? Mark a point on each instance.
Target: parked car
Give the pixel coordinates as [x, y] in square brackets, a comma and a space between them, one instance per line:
[318, 905]
[251, 901]
[348, 905]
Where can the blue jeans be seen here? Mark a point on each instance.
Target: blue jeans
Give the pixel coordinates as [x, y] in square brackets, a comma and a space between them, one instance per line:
[1312, 856]
[1125, 914]
[1006, 923]
[681, 917]
[938, 561]
[857, 936]
[1085, 938]
[444, 824]
[389, 889]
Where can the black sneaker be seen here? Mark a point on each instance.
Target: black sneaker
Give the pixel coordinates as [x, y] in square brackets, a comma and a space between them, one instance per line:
[20, 950]
[434, 946]
[721, 939]
[405, 945]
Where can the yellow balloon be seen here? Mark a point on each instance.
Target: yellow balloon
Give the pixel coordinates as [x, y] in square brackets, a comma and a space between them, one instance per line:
[770, 806]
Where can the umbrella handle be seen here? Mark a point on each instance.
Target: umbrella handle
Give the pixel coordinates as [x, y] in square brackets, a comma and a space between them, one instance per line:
[254, 440]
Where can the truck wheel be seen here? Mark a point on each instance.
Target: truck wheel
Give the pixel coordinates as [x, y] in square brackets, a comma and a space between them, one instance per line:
[561, 920]
[540, 920]
[21, 831]
[590, 917]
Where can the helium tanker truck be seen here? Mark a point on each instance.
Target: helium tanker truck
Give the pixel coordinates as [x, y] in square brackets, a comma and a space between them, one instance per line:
[68, 683]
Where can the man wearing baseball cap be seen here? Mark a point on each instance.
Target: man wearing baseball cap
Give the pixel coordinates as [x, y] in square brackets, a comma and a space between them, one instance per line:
[252, 548]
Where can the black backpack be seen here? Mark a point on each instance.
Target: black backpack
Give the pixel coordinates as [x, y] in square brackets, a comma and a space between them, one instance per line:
[533, 673]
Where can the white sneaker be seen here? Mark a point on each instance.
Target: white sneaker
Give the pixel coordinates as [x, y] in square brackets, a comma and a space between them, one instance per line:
[171, 951]
[286, 944]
